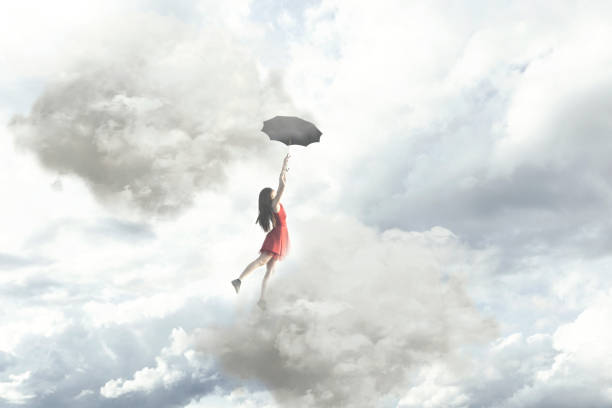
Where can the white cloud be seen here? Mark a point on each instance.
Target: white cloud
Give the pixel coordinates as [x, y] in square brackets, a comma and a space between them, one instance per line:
[352, 315]
[155, 306]
[30, 321]
[432, 391]
[286, 20]
[175, 363]
[237, 398]
[486, 120]
[11, 390]
[464, 118]
[154, 116]
[556, 115]
[584, 344]
[145, 380]
[568, 368]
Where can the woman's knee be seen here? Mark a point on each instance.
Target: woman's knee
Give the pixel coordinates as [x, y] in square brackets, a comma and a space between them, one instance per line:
[264, 258]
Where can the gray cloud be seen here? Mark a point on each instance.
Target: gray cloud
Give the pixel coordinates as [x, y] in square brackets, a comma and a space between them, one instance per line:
[496, 132]
[29, 287]
[156, 119]
[6, 360]
[351, 316]
[556, 197]
[114, 228]
[100, 229]
[11, 261]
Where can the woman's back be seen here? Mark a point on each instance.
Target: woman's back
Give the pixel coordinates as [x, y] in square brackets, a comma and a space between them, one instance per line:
[281, 217]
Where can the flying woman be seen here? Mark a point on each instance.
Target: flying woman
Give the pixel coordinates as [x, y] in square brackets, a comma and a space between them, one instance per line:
[276, 243]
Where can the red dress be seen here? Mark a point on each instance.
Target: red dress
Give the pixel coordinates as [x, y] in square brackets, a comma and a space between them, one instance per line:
[277, 239]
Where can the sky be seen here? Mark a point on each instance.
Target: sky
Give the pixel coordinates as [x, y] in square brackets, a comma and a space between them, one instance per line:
[450, 233]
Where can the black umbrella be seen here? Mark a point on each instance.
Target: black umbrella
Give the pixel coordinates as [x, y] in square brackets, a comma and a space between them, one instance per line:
[291, 130]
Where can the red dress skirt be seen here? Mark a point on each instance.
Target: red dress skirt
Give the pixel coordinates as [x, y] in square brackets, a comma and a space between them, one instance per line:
[277, 239]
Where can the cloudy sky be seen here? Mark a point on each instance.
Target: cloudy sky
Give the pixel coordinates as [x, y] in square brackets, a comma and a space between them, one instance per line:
[451, 233]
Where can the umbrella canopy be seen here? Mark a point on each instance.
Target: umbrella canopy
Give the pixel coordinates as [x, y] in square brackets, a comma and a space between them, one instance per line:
[291, 130]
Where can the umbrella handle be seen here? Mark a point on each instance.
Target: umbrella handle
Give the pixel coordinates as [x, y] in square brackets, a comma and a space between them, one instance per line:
[289, 149]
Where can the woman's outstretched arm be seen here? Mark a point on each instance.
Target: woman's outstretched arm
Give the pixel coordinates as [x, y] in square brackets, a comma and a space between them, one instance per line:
[282, 181]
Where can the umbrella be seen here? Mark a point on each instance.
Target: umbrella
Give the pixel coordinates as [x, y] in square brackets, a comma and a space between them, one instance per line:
[291, 130]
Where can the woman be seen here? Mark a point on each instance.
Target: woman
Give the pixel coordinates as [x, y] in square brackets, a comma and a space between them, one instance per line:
[276, 243]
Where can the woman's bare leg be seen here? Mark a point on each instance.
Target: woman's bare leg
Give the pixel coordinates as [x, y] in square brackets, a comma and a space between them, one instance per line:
[269, 269]
[260, 261]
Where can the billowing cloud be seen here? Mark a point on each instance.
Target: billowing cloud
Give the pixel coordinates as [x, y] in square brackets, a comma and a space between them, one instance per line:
[352, 315]
[163, 375]
[490, 123]
[10, 390]
[568, 368]
[154, 115]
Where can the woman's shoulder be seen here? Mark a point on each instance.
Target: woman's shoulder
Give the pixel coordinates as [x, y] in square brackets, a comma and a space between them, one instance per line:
[278, 207]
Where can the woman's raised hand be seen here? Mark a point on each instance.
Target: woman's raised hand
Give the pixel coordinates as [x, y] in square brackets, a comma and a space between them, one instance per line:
[285, 162]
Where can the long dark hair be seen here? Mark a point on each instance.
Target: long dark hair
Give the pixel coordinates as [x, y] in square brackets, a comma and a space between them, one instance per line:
[266, 215]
